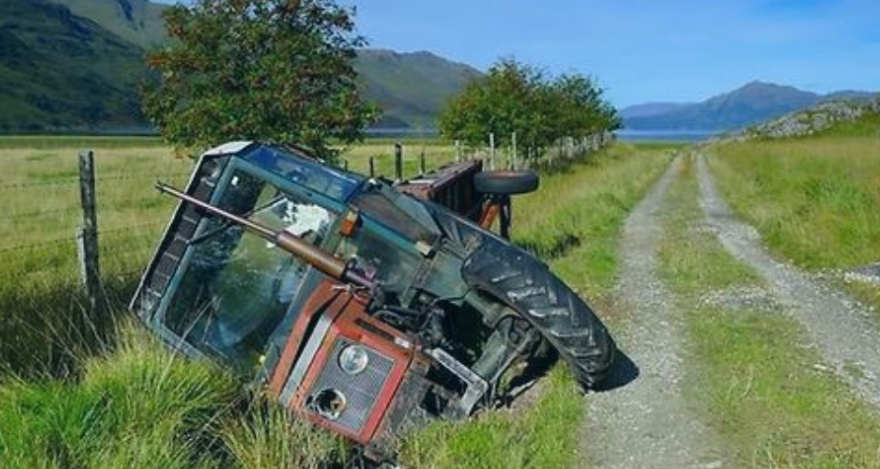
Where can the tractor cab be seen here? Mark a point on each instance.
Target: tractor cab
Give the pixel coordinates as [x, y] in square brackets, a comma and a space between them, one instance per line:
[218, 291]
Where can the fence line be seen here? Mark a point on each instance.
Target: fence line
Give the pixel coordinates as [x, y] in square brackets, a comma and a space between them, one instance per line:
[75, 180]
[112, 232]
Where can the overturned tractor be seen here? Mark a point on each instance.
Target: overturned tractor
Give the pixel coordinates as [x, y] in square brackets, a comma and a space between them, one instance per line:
[366, 307]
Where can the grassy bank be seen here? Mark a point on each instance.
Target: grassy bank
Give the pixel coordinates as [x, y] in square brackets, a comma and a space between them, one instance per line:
[815, 201]
[141, 407]
[758, 384]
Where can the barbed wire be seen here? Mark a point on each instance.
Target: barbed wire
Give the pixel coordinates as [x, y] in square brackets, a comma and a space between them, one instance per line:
[38, 246]
[75, 180]
[110, 233]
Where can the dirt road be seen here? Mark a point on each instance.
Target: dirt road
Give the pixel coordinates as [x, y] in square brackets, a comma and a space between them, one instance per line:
[648, 423]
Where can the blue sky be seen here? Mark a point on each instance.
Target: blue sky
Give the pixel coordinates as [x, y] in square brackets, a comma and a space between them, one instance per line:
[647, 50]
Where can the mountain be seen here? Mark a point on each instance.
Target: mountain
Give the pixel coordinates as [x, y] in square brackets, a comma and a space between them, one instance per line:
[77, 64]
[753, 103]
[60, 70]
[136, 21]
[650, 109]
[411, 87]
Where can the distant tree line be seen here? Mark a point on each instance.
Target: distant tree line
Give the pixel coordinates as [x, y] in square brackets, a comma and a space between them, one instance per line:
[519, 98]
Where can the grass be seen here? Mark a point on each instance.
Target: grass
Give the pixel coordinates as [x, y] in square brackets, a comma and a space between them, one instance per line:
[758, 385]
[815, 201]
[137, 406]
[142, 407]
[545, 436]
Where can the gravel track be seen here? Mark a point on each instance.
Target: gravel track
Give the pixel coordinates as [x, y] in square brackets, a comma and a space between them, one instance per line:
[843, 332]
[647, 424]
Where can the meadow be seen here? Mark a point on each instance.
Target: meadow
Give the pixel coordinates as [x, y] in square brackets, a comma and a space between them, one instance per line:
[78, 395]
[815, 201]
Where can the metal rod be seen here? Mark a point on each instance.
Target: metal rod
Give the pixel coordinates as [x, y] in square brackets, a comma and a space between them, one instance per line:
[255, 227]
[314, 256]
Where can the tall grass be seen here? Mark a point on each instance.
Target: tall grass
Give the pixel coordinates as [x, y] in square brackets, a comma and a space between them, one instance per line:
[815, 201]
[143, 407]
[544, 436]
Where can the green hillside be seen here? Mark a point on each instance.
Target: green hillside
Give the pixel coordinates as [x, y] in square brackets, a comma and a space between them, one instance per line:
[137, 21]
[61, 71]
[411, 87]
[77, 65]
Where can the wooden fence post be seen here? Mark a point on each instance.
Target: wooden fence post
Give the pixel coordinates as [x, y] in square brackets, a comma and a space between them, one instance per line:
[398, 162]
[492, 151]
[458, 151]
[372, 167]
[422, 163]
[513, 152]
[87, 235]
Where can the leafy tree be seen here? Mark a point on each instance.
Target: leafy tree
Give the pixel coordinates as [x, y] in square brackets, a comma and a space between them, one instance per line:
[580, 107]
[270, 70]
[517, 97]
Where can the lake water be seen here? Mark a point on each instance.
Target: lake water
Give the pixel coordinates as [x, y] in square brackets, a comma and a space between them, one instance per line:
[629, 135]
[625, 135]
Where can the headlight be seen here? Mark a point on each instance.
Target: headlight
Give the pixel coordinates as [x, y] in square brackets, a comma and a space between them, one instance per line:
[353, 359]
[329, 403]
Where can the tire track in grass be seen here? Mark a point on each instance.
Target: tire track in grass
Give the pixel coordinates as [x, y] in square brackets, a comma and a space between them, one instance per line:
[841, 329]
[648, 424]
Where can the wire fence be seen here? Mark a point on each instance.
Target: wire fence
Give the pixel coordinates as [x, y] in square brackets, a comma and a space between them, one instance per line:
[39, 221]
[74, 180]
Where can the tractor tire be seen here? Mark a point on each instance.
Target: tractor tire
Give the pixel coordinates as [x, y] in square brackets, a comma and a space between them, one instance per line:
[506, 182]
[527, 285]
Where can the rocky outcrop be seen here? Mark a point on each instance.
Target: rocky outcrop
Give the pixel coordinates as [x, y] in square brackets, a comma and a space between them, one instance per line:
[812, 121]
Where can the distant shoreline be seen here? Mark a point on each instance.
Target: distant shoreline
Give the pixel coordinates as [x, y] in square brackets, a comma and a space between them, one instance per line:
[631, 135]
[625, 135]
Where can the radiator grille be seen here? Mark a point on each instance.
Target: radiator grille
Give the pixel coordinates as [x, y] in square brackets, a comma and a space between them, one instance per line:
[361, 391]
